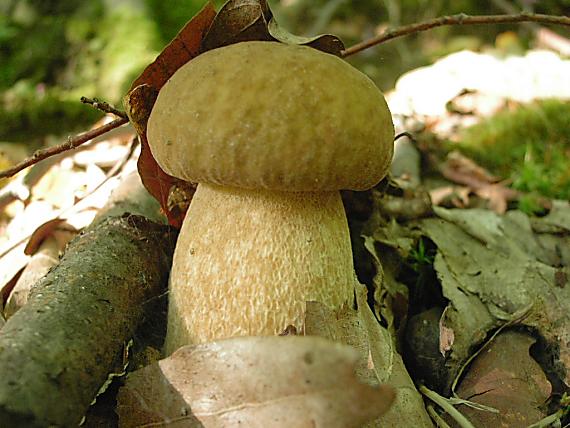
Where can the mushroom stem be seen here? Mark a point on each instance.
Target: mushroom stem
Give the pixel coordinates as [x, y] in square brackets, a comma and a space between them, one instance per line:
[247, 261]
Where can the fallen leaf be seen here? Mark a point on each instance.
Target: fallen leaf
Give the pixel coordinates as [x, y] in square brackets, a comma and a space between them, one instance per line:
[238, 21]
[446, 336]
[39, 264]
[58, 185]
[12, 264]
[105, 154]
[246, 20]
[504, 376]
[460, 169]
[41, 233]
[378, 361]
[494, 268]
[463, 170]
[280, 381]
[324, 42]
[143, 93]
[459, 196]
[498, 196]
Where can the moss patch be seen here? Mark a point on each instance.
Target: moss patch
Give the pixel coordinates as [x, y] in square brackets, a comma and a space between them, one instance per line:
[530, 145]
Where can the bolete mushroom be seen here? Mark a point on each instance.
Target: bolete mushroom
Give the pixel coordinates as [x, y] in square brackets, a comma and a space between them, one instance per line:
[271, 132]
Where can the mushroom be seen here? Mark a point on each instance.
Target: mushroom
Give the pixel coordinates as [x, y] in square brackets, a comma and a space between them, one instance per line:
[271, 132]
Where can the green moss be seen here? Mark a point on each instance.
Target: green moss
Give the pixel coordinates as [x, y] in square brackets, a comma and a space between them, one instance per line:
[530, 145]
[532, 204]
[29, 110]
[129, 42]
[51, 56]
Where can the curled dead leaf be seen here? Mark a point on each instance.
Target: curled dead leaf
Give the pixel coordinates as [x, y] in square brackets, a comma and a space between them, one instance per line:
[323, 42]
[44, 231]
[460, 169]
[142, 95]
[238, 21]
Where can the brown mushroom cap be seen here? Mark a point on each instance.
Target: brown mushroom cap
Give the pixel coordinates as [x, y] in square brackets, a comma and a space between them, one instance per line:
[274, 116]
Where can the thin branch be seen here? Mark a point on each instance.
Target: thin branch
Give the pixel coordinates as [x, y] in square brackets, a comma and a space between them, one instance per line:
[70, 144]
[439, 421]
[443, 402]
[459, 19]
[115, 170]
[104, 107]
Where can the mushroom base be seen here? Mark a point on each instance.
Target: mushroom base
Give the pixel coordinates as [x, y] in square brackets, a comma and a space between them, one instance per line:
[247, 261]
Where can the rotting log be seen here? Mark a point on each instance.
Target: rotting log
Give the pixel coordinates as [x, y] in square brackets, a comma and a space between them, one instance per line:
[57, 351]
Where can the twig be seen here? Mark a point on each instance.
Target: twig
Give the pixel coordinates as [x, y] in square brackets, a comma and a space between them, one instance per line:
[459, 19]
[405, 134]
[436, 418]
[517, 318]
[112, 172]
[104, 107]
[543, 36]
[71, 143]
[443, 402]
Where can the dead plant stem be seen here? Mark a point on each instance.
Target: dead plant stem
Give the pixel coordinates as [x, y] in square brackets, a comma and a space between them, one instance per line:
[104, 107]
[459, 19]
[71, 143]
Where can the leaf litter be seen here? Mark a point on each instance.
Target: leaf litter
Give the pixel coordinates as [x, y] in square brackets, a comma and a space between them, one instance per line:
[494, 271]
[65, 198]
[494, 279]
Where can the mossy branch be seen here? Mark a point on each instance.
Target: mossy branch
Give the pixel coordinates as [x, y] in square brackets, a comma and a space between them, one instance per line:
[459, 19]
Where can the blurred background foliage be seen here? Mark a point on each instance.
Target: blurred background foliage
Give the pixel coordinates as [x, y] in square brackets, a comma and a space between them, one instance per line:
[52, 52]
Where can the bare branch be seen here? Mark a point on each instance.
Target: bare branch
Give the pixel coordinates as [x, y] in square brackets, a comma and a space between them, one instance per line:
[70, 144]
[104, 107]
[460, 19]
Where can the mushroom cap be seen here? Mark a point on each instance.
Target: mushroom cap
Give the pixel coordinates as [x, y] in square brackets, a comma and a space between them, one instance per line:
[273, 116]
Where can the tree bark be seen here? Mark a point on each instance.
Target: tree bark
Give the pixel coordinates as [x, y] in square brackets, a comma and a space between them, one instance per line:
[57, 351]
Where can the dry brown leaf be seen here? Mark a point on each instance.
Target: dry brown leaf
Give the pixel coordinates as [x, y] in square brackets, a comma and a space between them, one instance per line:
[143, 93]
[244, 20]
[458, 195]
[287, 381]
[462, 170]
[238, 21]
[12, 256]
[505, 377]
[446, 336]
[378, 361]
[11, 266]
[41, 233]
[40, 263]
[325, 42]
